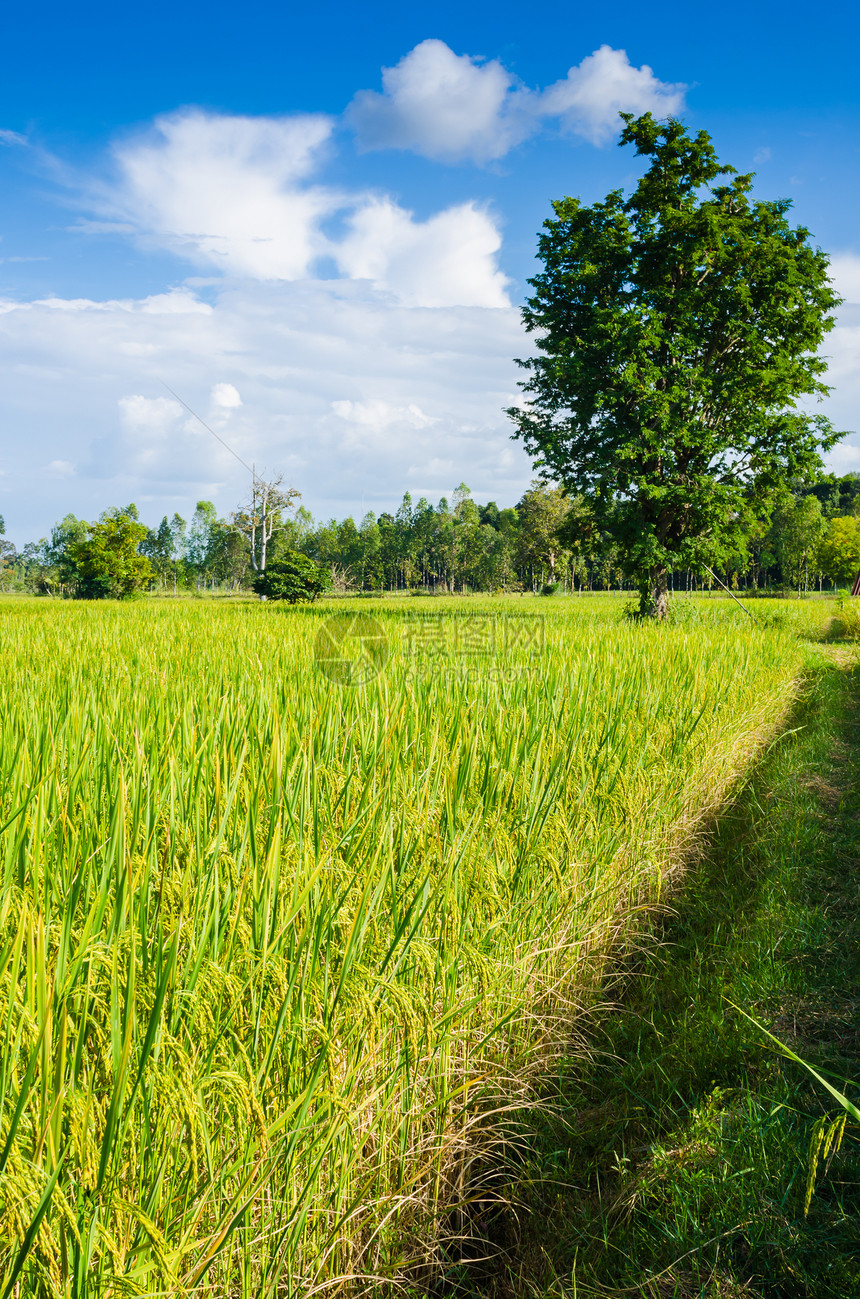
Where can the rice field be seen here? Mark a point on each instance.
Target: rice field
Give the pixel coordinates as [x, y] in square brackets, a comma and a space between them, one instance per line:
[285, 930]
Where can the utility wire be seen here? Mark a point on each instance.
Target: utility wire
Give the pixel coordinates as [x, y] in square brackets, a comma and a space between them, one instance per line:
[731, 593]
[224, 444]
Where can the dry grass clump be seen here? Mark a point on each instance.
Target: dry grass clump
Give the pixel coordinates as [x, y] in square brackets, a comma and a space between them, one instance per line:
[273, 951]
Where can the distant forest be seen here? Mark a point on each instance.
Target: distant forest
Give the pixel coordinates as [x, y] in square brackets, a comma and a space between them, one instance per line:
[810, 541]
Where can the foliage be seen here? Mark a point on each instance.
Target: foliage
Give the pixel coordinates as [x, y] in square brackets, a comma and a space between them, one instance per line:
[292, 577]
[542, 514]
[838, 496]
[164, 546]
[8, 554]
[273, 953]
[677, 328]
[464, 546]
[797, 530]
[839, 549]
[107, 561]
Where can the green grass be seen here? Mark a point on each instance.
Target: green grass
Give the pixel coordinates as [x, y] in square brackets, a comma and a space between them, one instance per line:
[688, 1158]
[277, 956]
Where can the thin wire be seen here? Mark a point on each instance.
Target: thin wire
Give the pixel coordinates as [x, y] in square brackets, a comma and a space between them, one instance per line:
[731, 593]
[244, 465]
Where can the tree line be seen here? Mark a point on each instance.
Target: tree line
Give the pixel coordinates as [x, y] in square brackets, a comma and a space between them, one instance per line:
[809, 540]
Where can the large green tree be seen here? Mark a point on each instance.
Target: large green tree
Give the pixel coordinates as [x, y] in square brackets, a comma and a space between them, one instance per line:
[108, 560]
[542, 512]
[676, 330]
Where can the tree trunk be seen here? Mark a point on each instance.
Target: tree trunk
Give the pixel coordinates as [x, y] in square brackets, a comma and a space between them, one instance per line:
[653, 595]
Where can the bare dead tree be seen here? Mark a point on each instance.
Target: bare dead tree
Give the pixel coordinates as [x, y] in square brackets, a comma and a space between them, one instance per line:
[258, 519]
[342, 579]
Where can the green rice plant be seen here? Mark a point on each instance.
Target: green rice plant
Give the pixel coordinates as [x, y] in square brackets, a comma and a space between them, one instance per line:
[276, 954]
[828, 1131]
[849, 617]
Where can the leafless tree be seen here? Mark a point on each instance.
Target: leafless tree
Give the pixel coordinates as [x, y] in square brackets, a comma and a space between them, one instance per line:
[258, 519]
[342, 579]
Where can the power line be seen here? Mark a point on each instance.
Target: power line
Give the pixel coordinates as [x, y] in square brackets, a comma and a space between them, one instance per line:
[224, 444]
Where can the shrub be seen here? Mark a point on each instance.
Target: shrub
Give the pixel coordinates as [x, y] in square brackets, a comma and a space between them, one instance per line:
[293, 577]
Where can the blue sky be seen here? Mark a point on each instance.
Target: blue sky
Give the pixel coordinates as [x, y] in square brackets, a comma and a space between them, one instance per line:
[325, 259]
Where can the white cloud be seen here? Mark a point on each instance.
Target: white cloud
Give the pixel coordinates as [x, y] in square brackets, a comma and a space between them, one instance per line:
[151, 443]
[344, 389]
[349, 393]
[12, 137]
[448, 260]
[842, 348]
[61, 469]
[588, 100]
[845, 274]
[233, 192]
[844, 458]
[436, 471]
[381, 414]
[176, 302]
[454, 107]
[149, 415]
[442, 105]
[225, 396]
[226, 191]
[379, 424]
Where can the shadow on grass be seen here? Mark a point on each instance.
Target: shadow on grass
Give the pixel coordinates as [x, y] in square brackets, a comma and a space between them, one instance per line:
[676, 1163]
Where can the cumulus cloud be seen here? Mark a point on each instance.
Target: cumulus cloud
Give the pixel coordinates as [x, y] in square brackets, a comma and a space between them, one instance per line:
[455, 108]
[351, 394]
[443, 105]
[149, 416]
[154, 442]
[448, 260]
[226, 191]
[348, 392]
[588, 100]
[225, 396]
[235, 193]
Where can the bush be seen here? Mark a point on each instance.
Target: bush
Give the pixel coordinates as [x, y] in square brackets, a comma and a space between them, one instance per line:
[292, 577]
[106, 562]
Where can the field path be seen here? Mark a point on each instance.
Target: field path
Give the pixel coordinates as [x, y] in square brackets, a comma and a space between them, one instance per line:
[684, 1152]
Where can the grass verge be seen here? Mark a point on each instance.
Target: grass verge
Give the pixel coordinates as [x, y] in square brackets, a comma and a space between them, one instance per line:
[681, 1157]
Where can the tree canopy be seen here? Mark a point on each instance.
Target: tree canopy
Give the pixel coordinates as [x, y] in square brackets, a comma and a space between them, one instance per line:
[107, 560]
[676, 330]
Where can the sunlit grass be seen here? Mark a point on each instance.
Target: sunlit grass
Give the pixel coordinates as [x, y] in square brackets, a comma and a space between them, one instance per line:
[273, 949]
